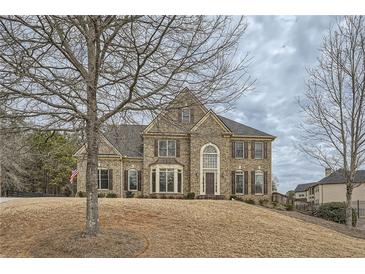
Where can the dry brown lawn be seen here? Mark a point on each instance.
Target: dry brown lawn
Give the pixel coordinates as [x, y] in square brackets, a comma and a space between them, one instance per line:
[51, 227]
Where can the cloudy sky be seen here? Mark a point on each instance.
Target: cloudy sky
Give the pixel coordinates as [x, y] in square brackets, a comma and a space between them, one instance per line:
[282, 48]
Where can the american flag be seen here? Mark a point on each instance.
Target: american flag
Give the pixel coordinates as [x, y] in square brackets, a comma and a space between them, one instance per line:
[73, 175]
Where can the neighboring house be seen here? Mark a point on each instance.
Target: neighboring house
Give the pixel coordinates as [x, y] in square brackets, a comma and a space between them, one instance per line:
[187, 148]
[332, 188]
[302, 192]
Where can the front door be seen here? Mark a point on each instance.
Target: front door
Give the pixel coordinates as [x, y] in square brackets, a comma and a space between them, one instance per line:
[209, 183]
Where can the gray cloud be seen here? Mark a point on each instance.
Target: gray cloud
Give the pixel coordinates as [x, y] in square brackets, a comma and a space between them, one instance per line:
[282, 47]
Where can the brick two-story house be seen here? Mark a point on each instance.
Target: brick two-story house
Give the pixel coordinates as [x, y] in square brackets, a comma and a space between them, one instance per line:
[186, 148]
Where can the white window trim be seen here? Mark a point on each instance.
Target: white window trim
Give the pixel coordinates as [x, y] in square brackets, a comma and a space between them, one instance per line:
[182, 116]
[99, 179]
[259, 172]
[243, 181]
[175, 168]
[262, 151]
[167, 151]
[243, 150]
[129, 189]
[215, 170]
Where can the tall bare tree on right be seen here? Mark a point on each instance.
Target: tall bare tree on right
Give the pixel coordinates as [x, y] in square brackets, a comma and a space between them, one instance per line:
[335, 103]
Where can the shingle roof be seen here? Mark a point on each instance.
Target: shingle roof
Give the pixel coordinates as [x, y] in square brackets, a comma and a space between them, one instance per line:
[338, 178]
[303, 187]
[127, 139]
[241, 129]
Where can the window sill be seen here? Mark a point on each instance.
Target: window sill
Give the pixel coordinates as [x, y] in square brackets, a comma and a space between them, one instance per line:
[132, 190]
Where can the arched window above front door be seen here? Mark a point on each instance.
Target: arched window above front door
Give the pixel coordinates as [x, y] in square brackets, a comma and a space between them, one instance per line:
[210, 157]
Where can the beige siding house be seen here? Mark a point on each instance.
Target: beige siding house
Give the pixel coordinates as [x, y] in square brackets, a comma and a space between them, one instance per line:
[331, 188]
[185, 149]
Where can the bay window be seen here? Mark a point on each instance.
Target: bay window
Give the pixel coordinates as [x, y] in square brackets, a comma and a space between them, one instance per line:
[166, 179]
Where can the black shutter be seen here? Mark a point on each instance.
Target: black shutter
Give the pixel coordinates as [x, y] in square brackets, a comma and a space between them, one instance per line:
[125, 180]
[110, 177]
[233, 149]
[245, 150]
[246, 183]
[253, 182]
[140, 180]
[252, 149]
[265, 150]
[191, 115]
[265, 183]
[233, 182]
[177, 148]
[156, 148]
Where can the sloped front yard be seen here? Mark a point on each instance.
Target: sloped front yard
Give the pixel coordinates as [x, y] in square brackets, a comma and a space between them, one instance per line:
[51, 227]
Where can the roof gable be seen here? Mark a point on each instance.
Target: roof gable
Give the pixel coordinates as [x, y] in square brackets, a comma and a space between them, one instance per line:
[169, 116]
[211, 113]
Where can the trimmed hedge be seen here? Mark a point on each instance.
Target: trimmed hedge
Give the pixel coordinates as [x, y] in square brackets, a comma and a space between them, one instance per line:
[335, 212]
[111, 195]
[190, 195]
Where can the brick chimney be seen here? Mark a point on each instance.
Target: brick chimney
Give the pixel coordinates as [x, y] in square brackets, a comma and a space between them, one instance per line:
[327, 171]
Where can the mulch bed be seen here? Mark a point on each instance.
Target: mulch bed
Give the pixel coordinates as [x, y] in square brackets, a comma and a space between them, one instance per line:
[109, 243]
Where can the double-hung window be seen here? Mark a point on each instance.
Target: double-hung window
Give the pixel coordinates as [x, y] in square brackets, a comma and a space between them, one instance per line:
[259, 182]
[132, 180]
[239, 182]
[103, 179]
[238, 149]
[185, 115]
[259, 150]
[167, 148]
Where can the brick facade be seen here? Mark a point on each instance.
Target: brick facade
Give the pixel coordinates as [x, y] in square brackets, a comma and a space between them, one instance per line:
[205, 128]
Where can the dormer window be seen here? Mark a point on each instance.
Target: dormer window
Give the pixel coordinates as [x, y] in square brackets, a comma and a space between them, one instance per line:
[185, 115]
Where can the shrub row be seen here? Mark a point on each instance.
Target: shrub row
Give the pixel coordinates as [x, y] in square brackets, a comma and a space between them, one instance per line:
[335, 212]
[100, 195]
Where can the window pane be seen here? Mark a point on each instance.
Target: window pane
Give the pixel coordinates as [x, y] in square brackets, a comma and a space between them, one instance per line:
[258, 150]
[239, 149]
[171, 148]
[185, 115]
[239, 182]
[132, 174]
[162, 180]
[179, 181]
[210, 149]
[154, 180]
[259, 182]
[209, 160]
[170, 180]
[162, 148]
[104, 179]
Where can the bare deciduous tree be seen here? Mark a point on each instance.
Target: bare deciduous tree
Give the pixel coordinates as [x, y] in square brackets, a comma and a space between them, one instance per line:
[335, 103]
[78, 72]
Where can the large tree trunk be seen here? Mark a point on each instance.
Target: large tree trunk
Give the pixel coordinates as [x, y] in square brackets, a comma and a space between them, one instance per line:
[92, 212]
[349, 205]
